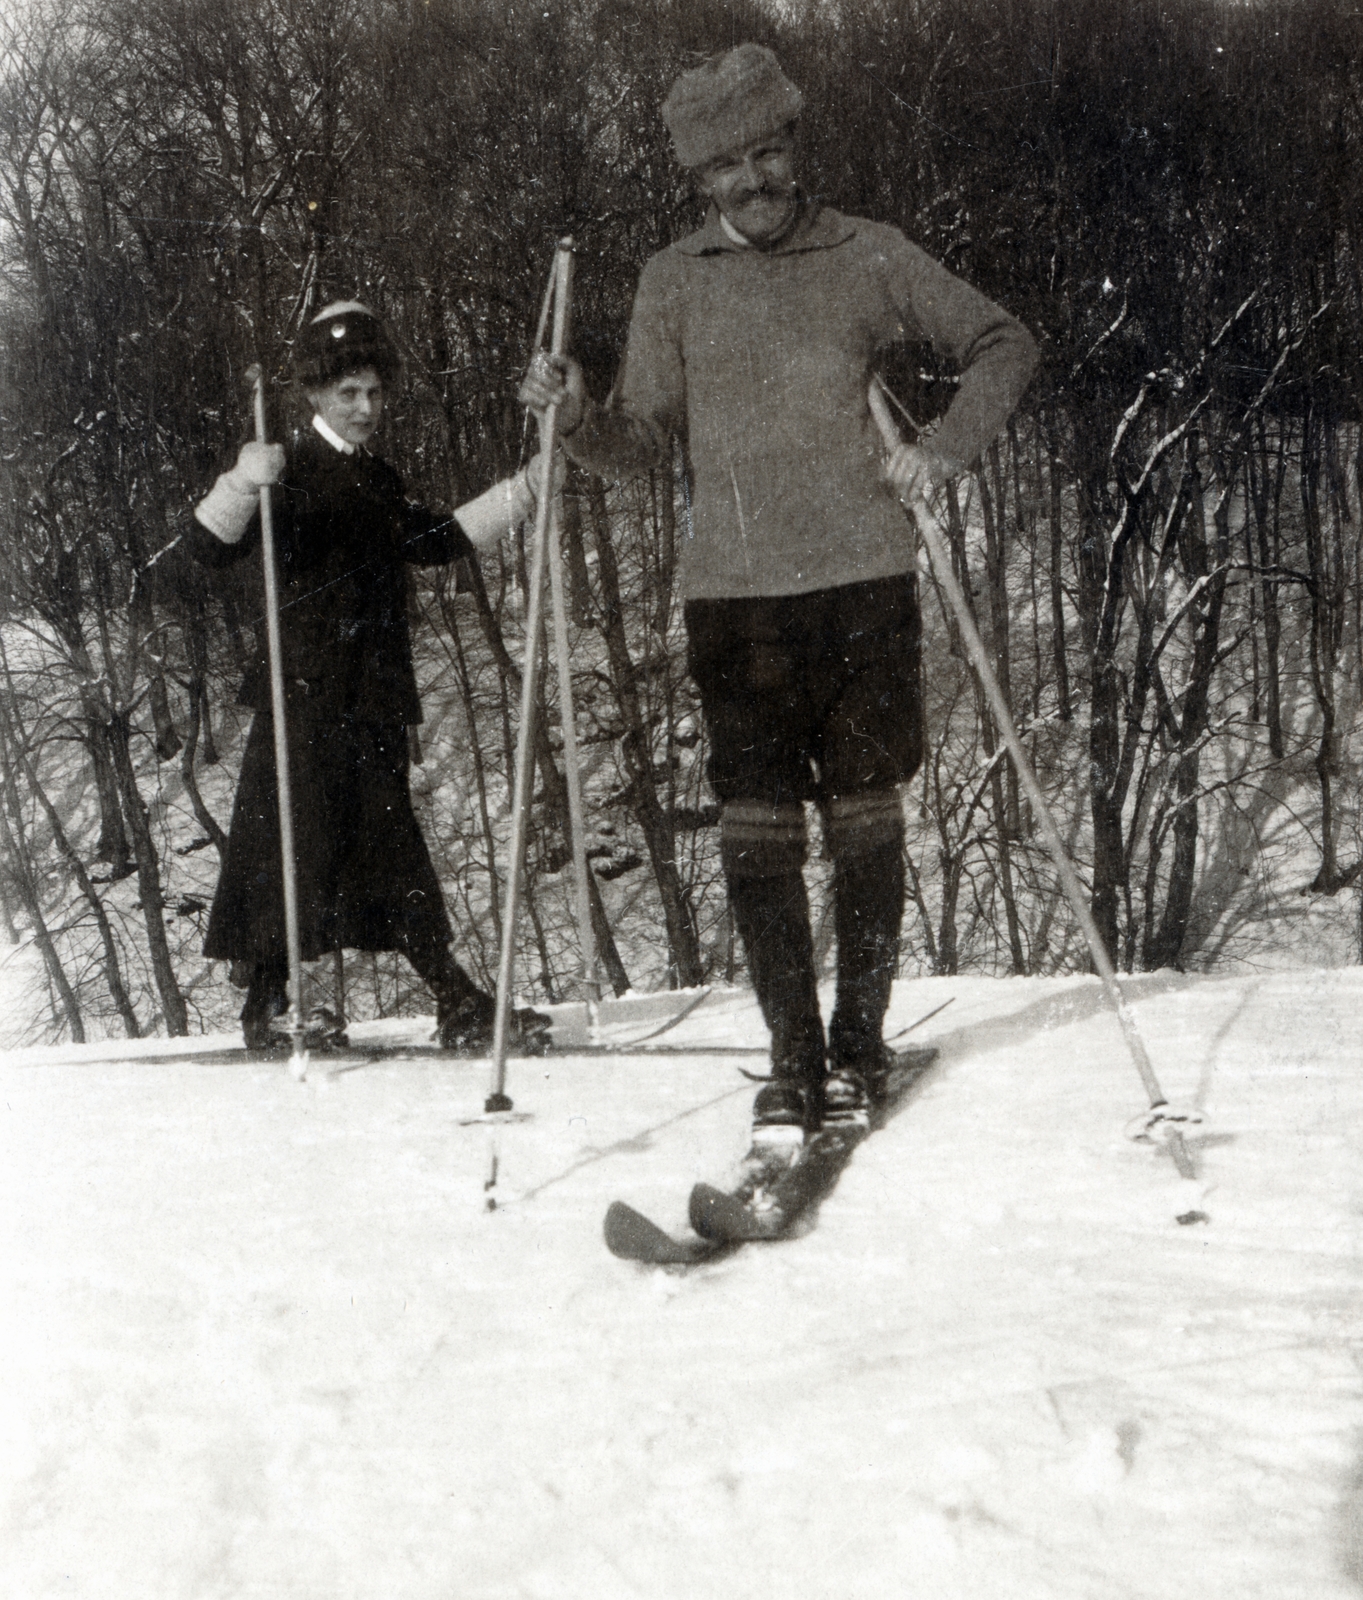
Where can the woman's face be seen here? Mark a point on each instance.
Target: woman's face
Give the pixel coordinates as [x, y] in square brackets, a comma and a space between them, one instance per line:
[351, 406]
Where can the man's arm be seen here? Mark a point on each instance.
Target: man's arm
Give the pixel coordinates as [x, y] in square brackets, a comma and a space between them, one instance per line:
[994, 353]
[632, 432]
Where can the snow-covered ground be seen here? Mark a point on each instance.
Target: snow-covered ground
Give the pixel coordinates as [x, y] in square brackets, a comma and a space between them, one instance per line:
[266, 1339]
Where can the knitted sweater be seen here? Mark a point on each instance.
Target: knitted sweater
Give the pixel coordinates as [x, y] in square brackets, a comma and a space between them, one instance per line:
[759, 361]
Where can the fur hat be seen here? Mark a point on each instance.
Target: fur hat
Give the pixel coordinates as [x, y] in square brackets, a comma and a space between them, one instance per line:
[343, 337]
[728, 101]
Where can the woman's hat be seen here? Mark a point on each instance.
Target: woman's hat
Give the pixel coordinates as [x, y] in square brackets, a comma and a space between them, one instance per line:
[343, 337]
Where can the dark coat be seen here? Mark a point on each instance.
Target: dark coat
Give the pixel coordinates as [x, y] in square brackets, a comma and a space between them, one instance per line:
[343, 535]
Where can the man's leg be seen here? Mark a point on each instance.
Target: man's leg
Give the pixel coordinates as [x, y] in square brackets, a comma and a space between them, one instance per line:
[872, 742]
[747, 657]
[866, 840]
[762, 846]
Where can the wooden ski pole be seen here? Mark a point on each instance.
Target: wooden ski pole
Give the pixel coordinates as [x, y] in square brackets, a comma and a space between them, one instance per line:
[931, 532]
[298, 1057]
[498, 1100]
[572, 766]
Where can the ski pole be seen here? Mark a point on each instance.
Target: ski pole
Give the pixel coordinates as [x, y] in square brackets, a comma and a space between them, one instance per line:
[298, 1057]
[572, 766]
[498, 1099]
[1160, 1113]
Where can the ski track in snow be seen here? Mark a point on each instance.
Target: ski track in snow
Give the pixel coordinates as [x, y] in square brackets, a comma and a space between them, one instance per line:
[264, 1339]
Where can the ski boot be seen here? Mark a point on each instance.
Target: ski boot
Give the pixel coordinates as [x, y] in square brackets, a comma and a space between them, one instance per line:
[323, 1031]
[781, 1114]
[467, 1027]
[846, 1099]
[786, 1107]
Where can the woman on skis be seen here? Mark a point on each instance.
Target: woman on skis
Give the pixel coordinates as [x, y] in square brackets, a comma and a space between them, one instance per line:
[345, 534]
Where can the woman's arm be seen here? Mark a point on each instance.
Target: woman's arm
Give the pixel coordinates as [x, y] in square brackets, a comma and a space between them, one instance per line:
[479, 523]
[231, 506]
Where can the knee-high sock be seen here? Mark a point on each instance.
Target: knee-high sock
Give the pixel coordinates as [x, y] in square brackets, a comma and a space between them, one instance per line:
[866, 840]
[763, 849]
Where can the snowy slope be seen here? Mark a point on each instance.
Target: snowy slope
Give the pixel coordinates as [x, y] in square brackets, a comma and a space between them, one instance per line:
[264, 1339]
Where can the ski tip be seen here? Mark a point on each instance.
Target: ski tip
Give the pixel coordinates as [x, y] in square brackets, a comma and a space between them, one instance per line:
[631, 1236]
[622, 1228]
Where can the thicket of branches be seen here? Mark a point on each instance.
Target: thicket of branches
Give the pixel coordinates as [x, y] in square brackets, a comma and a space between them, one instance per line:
[1163, 550]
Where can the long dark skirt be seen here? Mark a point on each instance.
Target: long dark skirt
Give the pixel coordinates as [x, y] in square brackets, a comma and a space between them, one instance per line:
[365, 879]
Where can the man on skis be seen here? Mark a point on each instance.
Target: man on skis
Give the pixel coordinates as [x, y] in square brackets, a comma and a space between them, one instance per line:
[754, 340]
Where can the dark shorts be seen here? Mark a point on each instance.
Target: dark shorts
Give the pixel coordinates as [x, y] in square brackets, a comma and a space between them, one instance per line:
[810, 696]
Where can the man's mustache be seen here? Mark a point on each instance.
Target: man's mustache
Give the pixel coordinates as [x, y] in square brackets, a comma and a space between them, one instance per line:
[763, 191]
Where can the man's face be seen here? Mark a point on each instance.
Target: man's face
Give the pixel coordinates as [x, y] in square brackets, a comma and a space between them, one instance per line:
[352, 405]
[754, 185]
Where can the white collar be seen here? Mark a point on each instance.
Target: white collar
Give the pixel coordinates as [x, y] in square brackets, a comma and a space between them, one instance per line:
[733, 233]
[332, 437]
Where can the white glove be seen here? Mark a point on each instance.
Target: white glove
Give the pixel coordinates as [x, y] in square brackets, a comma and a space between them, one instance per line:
[258, 465]
[226, 510]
